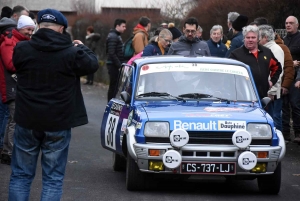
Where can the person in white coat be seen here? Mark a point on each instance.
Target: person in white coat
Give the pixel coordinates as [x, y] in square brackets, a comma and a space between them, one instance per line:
[267, 39]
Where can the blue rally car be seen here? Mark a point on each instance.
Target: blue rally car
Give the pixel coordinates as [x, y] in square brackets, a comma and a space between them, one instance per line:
[183, 116]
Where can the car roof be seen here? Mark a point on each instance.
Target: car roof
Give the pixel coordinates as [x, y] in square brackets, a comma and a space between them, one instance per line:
[187, 59]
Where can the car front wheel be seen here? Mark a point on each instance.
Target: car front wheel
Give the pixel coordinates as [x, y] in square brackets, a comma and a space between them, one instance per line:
[270, 184]
[135, 179]
[119, 163]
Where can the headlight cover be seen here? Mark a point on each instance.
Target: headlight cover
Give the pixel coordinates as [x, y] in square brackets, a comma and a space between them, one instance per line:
[260, 131]
[157, 129]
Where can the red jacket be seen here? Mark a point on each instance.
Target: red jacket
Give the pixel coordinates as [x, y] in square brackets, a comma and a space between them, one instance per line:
[7, 83]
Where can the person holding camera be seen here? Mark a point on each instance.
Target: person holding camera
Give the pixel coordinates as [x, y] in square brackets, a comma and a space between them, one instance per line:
[49, 103]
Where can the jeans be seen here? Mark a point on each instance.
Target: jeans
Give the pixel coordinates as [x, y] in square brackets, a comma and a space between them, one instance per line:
[274, 110]
[113, 72]
[291, 106]
[9, 130]
[4, 113]
[27, 145]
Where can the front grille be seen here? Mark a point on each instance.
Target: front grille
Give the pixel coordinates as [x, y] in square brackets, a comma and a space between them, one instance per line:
[204, 137]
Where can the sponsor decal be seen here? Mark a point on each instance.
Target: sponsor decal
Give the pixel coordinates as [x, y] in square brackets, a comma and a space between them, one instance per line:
[231, 125]
[223, 109]
[211, 125]
[138, 125]
[130, 118]
[124, 125]
[116, 109]
[247, 161]
[202, 114]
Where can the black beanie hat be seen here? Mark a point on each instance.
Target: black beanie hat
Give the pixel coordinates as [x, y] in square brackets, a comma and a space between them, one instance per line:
[240, 22]
[6, 12]
[175, 32]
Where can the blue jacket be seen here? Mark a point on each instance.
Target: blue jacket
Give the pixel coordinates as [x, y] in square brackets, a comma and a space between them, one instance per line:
[151, 50]
[236, 42]
[217, 49]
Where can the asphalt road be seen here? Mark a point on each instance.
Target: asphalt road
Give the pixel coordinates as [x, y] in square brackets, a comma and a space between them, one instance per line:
[89, 175]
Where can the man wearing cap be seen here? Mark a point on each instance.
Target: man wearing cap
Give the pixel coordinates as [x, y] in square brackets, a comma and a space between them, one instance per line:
[49, 103]
[237, 39]
[23, 32]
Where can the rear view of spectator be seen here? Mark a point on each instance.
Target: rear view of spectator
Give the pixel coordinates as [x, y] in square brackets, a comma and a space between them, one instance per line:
[231, 18]
[216, 47]
[91, 40]
[237, 40]
[140, 31]
[17, 11]
[6, 12]
[176, 33]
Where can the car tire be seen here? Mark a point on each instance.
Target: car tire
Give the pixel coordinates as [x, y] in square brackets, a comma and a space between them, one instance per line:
[135, 179]
[119, 162]
[270, 184]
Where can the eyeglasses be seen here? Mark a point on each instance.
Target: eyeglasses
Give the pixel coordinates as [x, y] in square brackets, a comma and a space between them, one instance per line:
[190, 31]
[168, 41]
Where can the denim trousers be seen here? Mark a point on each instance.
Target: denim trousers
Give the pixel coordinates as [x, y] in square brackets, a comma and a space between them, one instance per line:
[54, 148]
[9, 130]
[274, 110]
[291, 110]
[4, 113]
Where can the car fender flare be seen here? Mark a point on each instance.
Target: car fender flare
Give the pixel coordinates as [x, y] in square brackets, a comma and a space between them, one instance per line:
[282, 144]
[130, 139]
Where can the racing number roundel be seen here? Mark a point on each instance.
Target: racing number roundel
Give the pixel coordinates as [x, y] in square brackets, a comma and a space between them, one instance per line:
[111, 125]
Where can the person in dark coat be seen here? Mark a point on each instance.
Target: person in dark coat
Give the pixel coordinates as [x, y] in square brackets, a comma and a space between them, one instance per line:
[115, 56]
[49, 103]
[291, 102]
[260, 59]
[216, 47]
[160, 45]
[91, 40]
[237, 39]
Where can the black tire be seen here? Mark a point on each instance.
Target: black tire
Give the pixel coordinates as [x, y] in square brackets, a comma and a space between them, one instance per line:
[135, 179]
[119, 162]
[270, 184]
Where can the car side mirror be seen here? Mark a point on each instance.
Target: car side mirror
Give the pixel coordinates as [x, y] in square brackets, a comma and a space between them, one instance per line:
[125, 97]
[265, 102]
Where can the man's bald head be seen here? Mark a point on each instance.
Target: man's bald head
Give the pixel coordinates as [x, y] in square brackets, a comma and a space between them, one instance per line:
[291, 25]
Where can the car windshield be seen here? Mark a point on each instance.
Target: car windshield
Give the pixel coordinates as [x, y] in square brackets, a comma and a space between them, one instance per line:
[195, 81]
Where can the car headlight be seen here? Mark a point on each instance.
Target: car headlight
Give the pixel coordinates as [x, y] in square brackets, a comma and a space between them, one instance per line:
[157, 129]
[260, 131]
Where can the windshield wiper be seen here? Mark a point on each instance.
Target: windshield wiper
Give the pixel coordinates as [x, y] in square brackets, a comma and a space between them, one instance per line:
[195, 95]
[200, 95]
[160, 94]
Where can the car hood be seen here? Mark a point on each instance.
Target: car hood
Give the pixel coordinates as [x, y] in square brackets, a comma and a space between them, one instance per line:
[205, 117]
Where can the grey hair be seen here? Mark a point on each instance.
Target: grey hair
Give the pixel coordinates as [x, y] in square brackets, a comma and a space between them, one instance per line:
[48, 24]
[165, 32]
[232, 16]
[216, 27]
[250, 28]
[266, 31]
[199, 29]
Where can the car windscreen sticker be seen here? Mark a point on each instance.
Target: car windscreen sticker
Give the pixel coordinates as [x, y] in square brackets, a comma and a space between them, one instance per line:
[193, 67]
[111, 125]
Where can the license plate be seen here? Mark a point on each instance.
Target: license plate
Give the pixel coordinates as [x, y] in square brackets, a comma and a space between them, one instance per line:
[207, 168]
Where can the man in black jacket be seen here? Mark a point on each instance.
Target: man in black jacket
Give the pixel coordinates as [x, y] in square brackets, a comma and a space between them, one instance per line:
[291, 101]
[48, 104]
[260, 60]
[115, 57]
